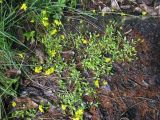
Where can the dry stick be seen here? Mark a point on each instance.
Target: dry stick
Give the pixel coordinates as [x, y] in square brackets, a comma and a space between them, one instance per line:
[132, 107]
[121, 97]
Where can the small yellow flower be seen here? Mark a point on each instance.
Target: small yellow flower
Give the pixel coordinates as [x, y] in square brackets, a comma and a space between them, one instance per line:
[144, 13]
[45, 23]
[68, 19]
[40, 107]
[23, 7]
[45, 18]
[94, 11]
[97, 35]
[107, 60]
[63, 107]
[122, 14]
[103, 13]
[81, 21]
[53, 32]
[49, 71]
[52, 53]
[75, 118]
[78, 114]
[96, 83]
[14, 104]
[32, 21]
[133, 49]
[84, 41]
[121, 27]
[62, 37]
[21, 55]
[38, 69]
[57, 22]
[105, 83]
[44, 12]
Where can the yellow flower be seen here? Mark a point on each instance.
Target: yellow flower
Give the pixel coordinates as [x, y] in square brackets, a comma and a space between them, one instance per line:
[63, 107]
[44, 12]
[78, 114]
[57, 22]
[21, 55]
[144, 13]
[14, 104]
[32, 21]
[84, 41]
[40, 107]
[81, 21]
[121, 27]
[52, 53]
[103, 14]
[105, 83]
[107, 60]
[49, 71]
[96, 83]
[62, 37]
[45, 23]
[94, 11]
[53, 32]
[45, 18]
[23, 7]
[75, 118]
[122, 14]
[38, 69]
[97, 35]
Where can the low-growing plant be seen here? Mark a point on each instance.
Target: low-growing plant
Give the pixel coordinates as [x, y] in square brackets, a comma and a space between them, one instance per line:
[27, 114]
[101, 52]
[73, 91]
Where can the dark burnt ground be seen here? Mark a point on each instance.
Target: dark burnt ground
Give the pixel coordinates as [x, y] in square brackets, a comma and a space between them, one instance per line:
[135, 86]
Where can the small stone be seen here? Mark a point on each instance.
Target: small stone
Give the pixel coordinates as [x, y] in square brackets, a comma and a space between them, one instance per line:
[125, 7]
[87, 116]
[114, 5]
[138, 9]
[48, 93]
[157, 9]
[105, 10]
[145, 83]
